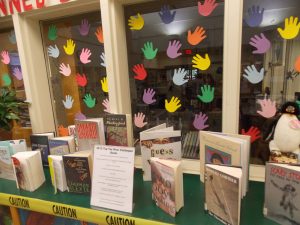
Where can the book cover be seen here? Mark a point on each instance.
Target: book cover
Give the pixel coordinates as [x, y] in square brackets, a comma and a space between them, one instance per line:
[222, 196]
[18, 145]
[282, 193]
[163, 187]
[58, 147]
[116, 130]
[41, 142]
[77, 172]
[6, 167]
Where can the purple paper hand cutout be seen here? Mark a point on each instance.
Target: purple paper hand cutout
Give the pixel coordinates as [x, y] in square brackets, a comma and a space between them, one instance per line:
[166, 15]
[84, 27]
[262, 44]
[200, 120]
[148, 96]
[80, 116]
[173, 49]
[255, 16]
[17, 73]
[85, 55]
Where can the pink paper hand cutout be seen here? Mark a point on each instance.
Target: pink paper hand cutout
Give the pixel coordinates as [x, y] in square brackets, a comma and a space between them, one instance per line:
[139, 120]
[207, 8]
[81, 80]
[148, 96]
[173, 49]
[294, 124]
[262, 44]
[268, 108]
[200, 120]
[140, 72]
[5, 57]
[84, 27]
[65, 70]
[85, 55]
[106, 105]
[253, 132]
[17, 73]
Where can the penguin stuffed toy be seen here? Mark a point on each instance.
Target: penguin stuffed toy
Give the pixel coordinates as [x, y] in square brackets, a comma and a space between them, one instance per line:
[287, 130]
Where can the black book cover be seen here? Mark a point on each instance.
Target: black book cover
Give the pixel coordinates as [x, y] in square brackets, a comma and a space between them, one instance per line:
[41, 142]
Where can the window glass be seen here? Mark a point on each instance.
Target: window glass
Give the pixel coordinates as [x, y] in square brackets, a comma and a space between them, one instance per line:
[175, 54]
[76, 65]
[12, 78]
[270, 77]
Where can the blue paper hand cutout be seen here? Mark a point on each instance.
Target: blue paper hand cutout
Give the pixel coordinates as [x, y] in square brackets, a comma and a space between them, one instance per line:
[53, 51]
[255, 16]
[166, 15]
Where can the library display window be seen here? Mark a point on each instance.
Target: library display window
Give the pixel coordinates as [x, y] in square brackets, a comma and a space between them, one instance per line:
[74, 49]
[12, 78]
[175, 56]
[270, 69]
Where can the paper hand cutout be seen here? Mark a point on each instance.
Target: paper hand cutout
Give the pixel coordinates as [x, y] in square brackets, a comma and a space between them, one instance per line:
[208, 93]
[63, 131]
[294, 124]
[5, 57]
[68, 103]
[140, 72]
[102, 56]
[139, 120]
[297, 64]
[207, 8]
[197, 36]
[148, 96]
[99, 35]
[166, 15]
[200, 120]
[81, 80]
[85, 55]
[253, 132]
[298, 103]
[173, 49]
[104, 84]
[6, 79]
[17, 73]
[255, 16]
[201, 63]
[173, 105]
[89, 101]
[84, 27]
[148, 50]
[70, 47]
[291, 28]
[268, 108]
[12, 37]
[53, 51]
[106, 105]
[65, 70]
[262, 44]
[252, 75]
[136, 22]
[52, 33]
[80, 116]
[179, 76]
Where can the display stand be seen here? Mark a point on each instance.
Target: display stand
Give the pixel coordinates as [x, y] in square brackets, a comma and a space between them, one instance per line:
[145, 211]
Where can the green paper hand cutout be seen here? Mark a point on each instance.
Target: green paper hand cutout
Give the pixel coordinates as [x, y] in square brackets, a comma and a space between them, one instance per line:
[207, 94]
[52, 33]
[89, 101]
[148, 50]
[6, 79]
[298, 103]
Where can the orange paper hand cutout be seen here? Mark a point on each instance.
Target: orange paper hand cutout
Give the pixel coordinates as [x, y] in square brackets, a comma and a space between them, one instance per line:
[297, 64]
[99, 35]
[63, 131]
[197, 36]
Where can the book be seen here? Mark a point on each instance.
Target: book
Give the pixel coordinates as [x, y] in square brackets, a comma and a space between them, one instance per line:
[223, 192]
[164, 143]
[89, 132]
[282, 193]
[118, 129]
[72, 132]
[18, 145]
[40, 141]
[78, 170]
[226, 149]
[28, 170]
[61, 145]
[57, 172]
[167, 184]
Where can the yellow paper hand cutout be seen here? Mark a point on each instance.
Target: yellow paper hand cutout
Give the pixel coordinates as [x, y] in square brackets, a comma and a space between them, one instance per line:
[70, 47]
[200, 62]
[104, 84]
[291, 28]
[136, 22]
[173, 105]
